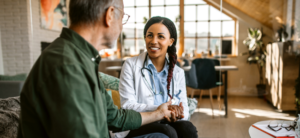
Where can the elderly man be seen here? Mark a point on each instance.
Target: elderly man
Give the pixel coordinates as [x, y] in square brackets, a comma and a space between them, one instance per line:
[63, 96]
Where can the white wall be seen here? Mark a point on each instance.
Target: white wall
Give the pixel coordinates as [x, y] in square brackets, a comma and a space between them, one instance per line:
[14, 36]
[1, 57]
[243, 81]
[39, 34]
[21, 35]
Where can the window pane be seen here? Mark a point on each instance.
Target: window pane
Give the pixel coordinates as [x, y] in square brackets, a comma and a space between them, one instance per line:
[130, 11]
[128, 30]
[141, 44]
[139, 30]
[202, 45]
[194, 2]
[214, 44]
[225, 17]
[215, 29]
[128, 43]
[189, 29]
[172, 2]
[189, 45]
[172, 12]
[157, 2]
[202, 12]
[190, 13]
[228, 28]
[214, 14]
[202, 29]
[142, 12]
[141, 2]
[157, 11]
[128, 3]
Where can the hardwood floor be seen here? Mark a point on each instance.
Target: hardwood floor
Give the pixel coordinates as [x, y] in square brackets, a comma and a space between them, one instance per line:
[242, 113]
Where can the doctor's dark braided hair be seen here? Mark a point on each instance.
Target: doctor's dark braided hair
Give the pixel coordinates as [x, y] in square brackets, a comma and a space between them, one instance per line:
[172, 49]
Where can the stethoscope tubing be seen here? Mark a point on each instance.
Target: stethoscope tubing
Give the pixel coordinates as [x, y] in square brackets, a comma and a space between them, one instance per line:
[143, 75]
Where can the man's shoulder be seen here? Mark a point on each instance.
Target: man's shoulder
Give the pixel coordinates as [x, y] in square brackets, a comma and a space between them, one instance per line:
[60, 52]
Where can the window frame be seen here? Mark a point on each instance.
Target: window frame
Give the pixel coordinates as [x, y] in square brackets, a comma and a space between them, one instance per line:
[181, 35]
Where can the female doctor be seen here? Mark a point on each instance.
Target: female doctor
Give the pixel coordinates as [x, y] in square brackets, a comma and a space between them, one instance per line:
[152, 78]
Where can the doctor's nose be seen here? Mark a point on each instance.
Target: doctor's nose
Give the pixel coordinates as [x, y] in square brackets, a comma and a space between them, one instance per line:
[154, 41]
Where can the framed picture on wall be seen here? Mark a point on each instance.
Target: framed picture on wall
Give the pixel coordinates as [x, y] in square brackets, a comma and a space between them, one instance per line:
[53, 14]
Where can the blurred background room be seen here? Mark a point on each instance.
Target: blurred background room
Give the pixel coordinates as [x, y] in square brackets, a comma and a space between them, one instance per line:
[254, 44]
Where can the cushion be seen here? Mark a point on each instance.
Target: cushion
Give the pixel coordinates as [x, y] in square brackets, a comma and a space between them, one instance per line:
[109, 82]
[115, 96]
[9, 117]
[18, 77]
[192, 103]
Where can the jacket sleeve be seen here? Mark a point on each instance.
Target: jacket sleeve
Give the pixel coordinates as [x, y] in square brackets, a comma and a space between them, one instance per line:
[128, 94]
[120, 119]
[183, 94]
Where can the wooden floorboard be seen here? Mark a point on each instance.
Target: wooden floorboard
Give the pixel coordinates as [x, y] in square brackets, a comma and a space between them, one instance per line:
[242, 113]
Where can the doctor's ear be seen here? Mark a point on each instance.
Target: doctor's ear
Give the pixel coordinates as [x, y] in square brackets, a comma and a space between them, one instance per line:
[171, 41]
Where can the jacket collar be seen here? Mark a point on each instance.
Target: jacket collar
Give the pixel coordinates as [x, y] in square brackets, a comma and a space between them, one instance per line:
[81, 43]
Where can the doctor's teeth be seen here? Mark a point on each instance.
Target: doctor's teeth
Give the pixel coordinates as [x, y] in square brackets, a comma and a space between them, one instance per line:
[154, 48]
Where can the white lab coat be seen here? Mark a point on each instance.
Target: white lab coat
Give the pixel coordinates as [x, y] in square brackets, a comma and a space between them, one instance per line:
[135, 92]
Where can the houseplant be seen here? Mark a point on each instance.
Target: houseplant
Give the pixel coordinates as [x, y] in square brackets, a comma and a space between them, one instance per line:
[256, 55]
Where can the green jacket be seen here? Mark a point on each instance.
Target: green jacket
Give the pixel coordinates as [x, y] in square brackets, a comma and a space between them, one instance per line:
[63, 96]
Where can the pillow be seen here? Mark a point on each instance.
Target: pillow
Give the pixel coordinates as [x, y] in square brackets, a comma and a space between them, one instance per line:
[192, 103]
[115, 96]
[9, 117]
[109, 82]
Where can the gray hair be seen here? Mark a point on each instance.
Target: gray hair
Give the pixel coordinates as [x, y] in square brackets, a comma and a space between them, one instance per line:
[89, 11]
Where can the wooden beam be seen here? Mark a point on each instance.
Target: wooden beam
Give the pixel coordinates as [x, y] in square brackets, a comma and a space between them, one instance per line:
[181, 29]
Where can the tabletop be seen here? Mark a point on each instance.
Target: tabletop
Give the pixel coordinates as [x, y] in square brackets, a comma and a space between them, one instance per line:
[218, 68]
[255, 133]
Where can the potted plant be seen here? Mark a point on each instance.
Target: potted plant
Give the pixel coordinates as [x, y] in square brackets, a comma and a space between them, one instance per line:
[256, 55]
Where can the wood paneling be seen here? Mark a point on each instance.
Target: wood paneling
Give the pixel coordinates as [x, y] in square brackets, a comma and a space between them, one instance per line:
[267, 12]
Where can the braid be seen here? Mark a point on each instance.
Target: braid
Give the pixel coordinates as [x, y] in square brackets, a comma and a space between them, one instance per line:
[172, 62]
[172, 49]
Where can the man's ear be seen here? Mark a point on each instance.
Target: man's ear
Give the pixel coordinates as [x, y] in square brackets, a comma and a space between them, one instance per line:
[109, 16]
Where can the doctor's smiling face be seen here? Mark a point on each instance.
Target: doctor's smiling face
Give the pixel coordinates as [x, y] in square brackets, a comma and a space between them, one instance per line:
[158, 39]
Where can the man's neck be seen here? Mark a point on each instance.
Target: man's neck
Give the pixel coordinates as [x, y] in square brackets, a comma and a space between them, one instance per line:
[89, 34]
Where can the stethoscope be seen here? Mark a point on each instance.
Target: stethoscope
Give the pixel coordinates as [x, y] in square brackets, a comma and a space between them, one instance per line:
[149, 86]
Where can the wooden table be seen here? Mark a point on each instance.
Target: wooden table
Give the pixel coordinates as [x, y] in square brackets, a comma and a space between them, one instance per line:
[255, 133]
[223, 70]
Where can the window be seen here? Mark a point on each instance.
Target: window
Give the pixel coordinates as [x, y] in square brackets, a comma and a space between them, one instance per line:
[205, 27]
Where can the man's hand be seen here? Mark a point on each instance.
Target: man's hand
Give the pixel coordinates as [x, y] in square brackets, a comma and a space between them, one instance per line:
[160, 113]
[164, 110]
[177, 112]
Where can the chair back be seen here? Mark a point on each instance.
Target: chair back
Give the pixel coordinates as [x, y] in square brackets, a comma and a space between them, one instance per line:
[203, 71]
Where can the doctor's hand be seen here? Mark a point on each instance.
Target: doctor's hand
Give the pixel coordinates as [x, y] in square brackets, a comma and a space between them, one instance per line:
[177, 112]
[163, 110]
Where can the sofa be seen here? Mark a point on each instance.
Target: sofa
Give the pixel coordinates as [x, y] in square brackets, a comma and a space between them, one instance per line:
[11, 86]
[10, 107]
